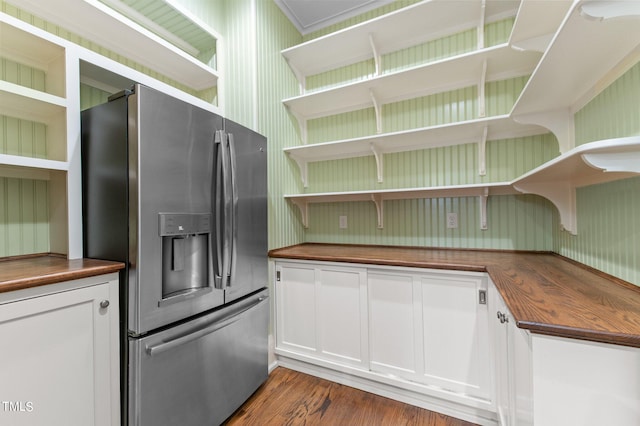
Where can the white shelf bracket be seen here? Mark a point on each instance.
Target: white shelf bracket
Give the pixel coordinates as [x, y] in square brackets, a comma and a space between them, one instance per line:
[481, 25]
[302, 81]
[376, 55]
[302, 125]
[561, 194]
[614, 161]
[482, 107]
[482, 199]
[379, 156]
[602, 10]
[482, 153]
[377, 200]
[559, 122]
[302, 166]
[303, 206]
[378, 111]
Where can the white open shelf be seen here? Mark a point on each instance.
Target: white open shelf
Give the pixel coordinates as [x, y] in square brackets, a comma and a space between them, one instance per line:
[100, 24]
[588, 164]
[17, 166]
[596, 43]
[537, 22]
[482, 191]
[473, 131]
[502, 62]
[556, 180]
[415, 24]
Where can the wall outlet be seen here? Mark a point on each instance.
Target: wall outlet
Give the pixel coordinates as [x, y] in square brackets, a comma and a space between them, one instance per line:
[452, 220]
[343, 222]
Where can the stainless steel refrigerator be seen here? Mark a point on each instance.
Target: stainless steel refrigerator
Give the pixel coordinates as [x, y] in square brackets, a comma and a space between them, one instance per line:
[179, 195]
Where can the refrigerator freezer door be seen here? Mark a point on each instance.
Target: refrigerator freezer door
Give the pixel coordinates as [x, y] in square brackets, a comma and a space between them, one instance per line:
[200, 372]
[248, 152]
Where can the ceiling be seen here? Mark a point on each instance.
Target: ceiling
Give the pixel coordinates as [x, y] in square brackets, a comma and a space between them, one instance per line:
[312, 15]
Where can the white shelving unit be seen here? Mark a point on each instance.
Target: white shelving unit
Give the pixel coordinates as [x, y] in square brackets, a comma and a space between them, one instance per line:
[101, 24]
[473, 131]
[475, 68]
[482, 191]
[424, 21]
[596, 43]
[556, 180]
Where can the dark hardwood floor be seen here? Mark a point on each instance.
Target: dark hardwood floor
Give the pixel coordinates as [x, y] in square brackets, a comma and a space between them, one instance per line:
[293, 398]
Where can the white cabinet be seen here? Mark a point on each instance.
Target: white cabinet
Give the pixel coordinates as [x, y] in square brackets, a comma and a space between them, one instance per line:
[424, 332]
[432, 328]
[59, 362]
[512, 357]
[322, 311]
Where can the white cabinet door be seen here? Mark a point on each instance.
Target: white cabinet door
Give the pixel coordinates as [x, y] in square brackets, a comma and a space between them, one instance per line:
[59, 358]
[322, 311]
[512, 355]
[394, 324]
[296, 307]
[456, 337]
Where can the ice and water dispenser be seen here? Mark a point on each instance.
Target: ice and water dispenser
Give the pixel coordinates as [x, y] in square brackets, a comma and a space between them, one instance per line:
[185, 255]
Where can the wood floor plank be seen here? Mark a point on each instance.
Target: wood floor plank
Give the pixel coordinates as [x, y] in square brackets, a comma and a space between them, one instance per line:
[290, 398]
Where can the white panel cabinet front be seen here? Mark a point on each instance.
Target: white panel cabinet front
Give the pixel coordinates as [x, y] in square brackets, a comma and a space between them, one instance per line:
[456, 334]
[59, 358]
[322, 311]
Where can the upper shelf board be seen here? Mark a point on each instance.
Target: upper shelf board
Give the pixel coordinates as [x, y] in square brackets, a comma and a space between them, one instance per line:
[27, 49]
[498, 127]
[590, 163]
[421, 22]
[465, 70]
[537, 22]
[171, 21]
[28, 104]
[582, 53]
[102, 25]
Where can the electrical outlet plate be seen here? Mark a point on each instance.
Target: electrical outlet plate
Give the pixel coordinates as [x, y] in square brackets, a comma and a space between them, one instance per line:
[452, 220]
[343, 222]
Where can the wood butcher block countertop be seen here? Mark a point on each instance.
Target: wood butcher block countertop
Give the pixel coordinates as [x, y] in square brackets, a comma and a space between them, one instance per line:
[31, 271]
[546, 293]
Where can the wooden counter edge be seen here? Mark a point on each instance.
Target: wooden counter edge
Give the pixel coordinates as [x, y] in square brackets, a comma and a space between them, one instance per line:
[85, 268]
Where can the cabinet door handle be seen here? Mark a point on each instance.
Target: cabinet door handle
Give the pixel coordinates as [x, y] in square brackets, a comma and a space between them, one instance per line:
[104, 304]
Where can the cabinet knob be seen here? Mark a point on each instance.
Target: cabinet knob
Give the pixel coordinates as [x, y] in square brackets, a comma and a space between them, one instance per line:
[104, 304]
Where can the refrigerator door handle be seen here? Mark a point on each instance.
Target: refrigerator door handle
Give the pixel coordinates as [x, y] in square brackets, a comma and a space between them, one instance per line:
[222, 203]
[234, 207]
[214, 326]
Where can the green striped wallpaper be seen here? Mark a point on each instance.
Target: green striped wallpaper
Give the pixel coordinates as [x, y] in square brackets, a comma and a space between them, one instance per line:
[607, 214]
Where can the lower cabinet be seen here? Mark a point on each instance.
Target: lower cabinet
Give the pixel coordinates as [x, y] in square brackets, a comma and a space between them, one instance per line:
[322, 311]
[59, 363]
[424, 331]
[512, 355]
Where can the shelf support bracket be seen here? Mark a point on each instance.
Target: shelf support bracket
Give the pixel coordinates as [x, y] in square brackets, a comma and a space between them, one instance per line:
[614, 161]
[302, 81]
[377, 200]
[378, 111]
[379, 156]
[561, 194]
[559, 122]
[482, 199]
[602, 10]
[303, 206]
[481, 25]
[302, 125]
[482, 153]
[302, 166]
[376, 55]
[482, 109]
